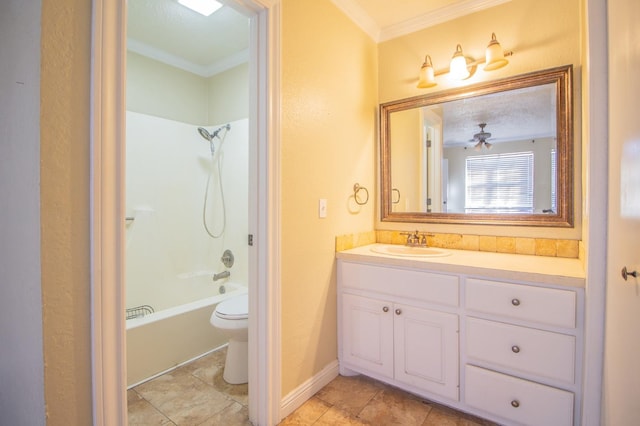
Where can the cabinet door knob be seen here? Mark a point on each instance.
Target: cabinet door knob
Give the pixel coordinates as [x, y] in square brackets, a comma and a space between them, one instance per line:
[398, 311]
[385, 309]
[515, 403]
[515, 349]
[515, 302]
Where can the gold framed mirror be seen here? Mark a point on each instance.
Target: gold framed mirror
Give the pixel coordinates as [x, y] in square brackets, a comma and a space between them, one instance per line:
[494, 153]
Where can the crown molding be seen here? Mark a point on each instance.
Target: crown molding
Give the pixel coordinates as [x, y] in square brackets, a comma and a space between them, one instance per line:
[448, 13]
[185, 65]
[438, 16]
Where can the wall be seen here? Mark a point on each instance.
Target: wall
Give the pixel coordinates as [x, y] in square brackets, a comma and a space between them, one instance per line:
[64, 172]
[21, 369]
[228, 95]
[164, 150]
[542, 170]
[159, 89]
[543, 34]
[329, 109]
[168, 165]
[162, 90]
[406, 156]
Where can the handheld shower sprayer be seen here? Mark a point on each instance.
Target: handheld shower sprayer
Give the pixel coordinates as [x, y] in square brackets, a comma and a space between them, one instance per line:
[215, 159]
[211, 136]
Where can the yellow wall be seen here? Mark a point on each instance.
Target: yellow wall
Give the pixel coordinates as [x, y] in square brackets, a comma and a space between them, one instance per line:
[64, 121]
[329, 105]
[542, 33]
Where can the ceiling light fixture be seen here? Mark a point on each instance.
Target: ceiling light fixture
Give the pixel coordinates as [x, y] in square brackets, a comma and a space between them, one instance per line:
[203, 7]
[462, 67]
[481, 138]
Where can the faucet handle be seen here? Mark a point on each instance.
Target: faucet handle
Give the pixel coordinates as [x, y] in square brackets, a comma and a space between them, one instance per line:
[410, 237]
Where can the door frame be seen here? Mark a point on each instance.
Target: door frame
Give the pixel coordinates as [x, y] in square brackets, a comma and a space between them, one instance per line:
[108, 96]
[595, 154]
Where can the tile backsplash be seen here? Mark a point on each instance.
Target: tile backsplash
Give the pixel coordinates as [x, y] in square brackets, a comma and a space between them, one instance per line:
[489, 243]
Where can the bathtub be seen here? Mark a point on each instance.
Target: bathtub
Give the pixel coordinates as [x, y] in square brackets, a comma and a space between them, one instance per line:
[163, 340]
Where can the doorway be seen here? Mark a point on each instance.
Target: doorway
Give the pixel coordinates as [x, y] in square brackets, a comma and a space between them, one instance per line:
[108, 206]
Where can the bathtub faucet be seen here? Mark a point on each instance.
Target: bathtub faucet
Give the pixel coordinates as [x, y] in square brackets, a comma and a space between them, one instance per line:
[220, 275]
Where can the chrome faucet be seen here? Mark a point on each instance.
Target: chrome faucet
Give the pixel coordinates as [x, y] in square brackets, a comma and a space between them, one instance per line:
[416, 239]
[220, 275]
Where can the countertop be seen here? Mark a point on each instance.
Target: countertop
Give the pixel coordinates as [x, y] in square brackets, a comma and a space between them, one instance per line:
[518, 267]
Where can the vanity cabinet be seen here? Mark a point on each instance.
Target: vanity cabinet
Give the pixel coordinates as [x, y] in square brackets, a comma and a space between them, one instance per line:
[521, 351]
[414, 346]
[400, 339]
[507, 350]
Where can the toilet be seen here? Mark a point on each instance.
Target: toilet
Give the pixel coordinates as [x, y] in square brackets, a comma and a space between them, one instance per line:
[231, 317]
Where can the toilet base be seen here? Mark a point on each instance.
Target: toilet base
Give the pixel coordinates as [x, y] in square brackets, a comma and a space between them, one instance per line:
[236, 366]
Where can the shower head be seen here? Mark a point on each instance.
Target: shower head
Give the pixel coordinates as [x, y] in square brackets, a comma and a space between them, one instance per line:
[210, 136]
[205, 134]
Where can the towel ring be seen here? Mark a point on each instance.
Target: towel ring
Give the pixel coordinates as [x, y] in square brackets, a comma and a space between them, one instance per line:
[356, 189]
[395, 191]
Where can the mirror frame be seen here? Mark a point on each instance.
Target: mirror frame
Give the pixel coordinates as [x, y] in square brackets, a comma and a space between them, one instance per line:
[562, 77]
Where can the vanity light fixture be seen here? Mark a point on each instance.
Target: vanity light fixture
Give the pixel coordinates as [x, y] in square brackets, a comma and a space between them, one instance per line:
[427, 74]
[460, 67]
[203, 7]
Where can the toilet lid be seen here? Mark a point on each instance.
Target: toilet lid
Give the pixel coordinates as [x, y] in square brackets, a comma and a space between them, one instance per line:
[235, 308]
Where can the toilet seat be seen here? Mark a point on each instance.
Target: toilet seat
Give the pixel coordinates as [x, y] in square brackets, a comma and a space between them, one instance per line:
[236, 308]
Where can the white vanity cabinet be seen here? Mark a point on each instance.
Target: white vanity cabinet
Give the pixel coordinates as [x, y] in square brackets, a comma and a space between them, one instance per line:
[521, 351]
[504, 346]
[391, 331]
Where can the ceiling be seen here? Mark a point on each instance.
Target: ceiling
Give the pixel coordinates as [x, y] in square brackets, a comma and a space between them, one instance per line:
[169, 32]
[514, 115]
[166, 31]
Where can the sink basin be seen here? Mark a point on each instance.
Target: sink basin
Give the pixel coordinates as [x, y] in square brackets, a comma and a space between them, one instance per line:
[397, 250]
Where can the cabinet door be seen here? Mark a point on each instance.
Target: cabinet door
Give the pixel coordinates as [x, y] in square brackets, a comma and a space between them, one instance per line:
[427, 350]
[367, 334]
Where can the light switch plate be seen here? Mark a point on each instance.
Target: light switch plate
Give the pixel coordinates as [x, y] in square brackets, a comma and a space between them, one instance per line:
[322, 208]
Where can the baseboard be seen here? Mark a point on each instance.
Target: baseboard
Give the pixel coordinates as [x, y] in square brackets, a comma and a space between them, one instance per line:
[306, 390]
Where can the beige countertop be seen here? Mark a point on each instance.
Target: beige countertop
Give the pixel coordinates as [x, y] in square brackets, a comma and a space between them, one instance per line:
[518, 267]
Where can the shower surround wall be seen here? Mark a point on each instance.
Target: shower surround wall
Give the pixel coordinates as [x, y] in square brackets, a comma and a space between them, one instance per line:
[168, 164]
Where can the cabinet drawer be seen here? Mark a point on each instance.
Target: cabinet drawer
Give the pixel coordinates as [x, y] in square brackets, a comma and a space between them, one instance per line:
[538, 352]
[416, 285]
[525, 302]
[518, 400]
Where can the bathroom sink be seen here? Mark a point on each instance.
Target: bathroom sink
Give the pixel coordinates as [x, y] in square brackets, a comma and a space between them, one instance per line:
[409, 251]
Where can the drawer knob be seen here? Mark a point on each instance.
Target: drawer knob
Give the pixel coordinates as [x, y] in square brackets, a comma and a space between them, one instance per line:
[398, 311]
[515, 403]
[515, 302]
[385, 309]
[515, 349]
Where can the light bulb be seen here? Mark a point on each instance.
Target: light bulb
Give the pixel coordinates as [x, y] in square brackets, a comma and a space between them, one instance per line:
[458, 68]
[427, 77]
[494, 55]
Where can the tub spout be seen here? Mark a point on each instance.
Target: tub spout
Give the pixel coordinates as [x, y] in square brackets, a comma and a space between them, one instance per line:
[220, 275]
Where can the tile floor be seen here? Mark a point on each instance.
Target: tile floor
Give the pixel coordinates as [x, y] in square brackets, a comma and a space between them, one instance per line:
[196, 394]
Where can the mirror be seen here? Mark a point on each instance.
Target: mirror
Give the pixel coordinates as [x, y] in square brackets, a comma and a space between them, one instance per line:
[497, 153]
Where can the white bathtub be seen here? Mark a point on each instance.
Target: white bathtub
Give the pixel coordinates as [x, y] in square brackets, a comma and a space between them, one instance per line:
[166, 339]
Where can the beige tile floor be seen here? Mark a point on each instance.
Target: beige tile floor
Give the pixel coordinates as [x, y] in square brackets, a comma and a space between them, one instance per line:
[196, 394]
